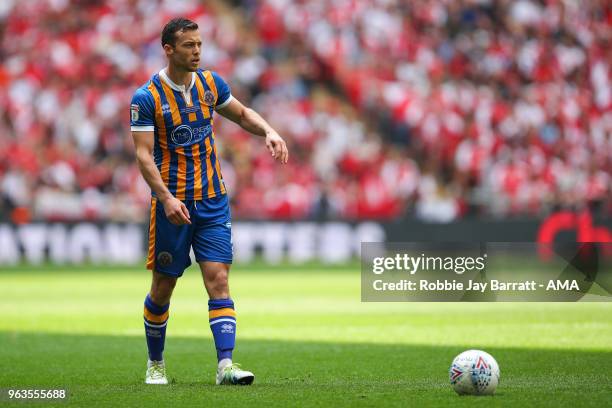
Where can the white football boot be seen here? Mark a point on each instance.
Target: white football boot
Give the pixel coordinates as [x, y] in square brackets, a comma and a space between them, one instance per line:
[231, 374]
[156, 373]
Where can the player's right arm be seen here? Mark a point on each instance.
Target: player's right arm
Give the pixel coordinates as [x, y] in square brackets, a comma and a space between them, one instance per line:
[175, 210]
[143, 125]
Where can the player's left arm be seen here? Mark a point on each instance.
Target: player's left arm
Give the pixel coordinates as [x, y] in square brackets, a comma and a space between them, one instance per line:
[252, 122]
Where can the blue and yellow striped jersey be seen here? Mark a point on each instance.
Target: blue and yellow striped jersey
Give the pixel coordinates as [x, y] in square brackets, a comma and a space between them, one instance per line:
[182, 121]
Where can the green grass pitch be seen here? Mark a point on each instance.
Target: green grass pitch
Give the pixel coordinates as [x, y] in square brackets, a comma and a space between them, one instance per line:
[304, 333]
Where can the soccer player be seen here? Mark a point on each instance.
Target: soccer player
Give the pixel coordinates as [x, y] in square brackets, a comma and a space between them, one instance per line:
[172, 128]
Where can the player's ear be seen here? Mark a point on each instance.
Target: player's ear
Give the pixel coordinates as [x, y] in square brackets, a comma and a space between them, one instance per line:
[168, 49]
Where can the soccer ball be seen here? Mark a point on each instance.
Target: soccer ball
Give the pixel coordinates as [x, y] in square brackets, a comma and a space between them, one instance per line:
[474, 372]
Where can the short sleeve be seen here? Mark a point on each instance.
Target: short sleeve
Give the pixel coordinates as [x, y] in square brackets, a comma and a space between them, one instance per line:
[224, 93]
[142, 111]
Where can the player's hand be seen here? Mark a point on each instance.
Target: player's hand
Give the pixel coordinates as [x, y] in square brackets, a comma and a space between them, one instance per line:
[277, 147]
[176, 211]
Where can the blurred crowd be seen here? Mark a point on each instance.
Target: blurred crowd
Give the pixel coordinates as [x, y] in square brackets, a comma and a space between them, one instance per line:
[435, 109]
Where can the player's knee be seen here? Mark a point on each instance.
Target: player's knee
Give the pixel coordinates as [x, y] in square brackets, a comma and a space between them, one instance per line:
[161, 290]
[219, 285]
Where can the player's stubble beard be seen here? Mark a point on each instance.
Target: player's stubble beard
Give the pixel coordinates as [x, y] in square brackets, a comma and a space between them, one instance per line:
[185, 63]
[186, 67]
[189, 65]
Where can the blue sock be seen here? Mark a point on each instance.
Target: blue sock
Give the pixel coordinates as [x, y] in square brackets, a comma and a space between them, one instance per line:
[222, 318]
[155, 321]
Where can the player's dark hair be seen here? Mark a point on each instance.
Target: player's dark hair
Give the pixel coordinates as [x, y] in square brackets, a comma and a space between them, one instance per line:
[174, 26]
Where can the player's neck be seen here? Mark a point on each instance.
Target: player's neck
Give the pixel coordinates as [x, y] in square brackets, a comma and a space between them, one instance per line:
[179, 76]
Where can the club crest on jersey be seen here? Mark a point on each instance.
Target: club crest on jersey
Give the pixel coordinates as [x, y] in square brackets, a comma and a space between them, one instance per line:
[209, 98]
[182, 135]
[134, 110]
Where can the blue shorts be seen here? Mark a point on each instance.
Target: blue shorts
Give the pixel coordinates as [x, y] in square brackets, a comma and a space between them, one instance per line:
[210, 235]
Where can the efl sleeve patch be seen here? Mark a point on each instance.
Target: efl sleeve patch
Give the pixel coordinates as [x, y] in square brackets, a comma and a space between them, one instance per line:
[134, 112]
[142, 109]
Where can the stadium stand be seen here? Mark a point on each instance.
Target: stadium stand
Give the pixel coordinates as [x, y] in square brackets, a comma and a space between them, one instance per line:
[439, 110]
